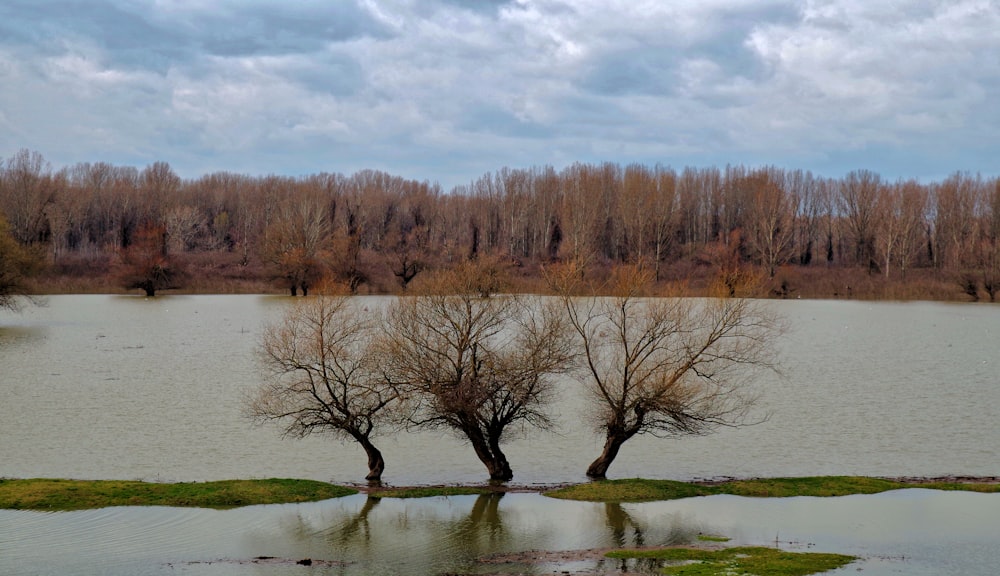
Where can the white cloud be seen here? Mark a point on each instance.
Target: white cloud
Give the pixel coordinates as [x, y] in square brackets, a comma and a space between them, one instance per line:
[447, 90]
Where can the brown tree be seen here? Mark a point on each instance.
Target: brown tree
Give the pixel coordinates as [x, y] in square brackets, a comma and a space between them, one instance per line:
[323, 375]
[17, 263]
[858, 201]
[768, 218]
[147, 265]
[900, 224]
[26, 191]
[988, 248]
[664, 366]
[293, 243]
[474, 361]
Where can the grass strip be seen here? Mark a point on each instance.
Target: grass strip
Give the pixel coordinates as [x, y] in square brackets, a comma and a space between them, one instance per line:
[740, 560]
[642, 490]
[427, 491]
[54, 494]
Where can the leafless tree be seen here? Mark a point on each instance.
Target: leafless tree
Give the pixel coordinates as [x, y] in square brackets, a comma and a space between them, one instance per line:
[26, 191]
[147, 265]
[475, 361]
[954, 219]
[858, 201]
[16, 264]
[293, 242]
[900, 224]
[323, 375]
[768, 218]
[988, 249]
[665, 366]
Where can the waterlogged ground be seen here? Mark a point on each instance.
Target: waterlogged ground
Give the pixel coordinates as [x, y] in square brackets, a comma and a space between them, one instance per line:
[110, 387]
[122, 387]
[915, 532]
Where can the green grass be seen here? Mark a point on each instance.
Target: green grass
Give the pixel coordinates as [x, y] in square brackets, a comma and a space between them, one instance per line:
[711, 538]
[49, 494]
[427, 492]
[744, 560]
[640, 490]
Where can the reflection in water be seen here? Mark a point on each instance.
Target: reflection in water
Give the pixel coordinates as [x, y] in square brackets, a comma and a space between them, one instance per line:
[916, 532]
[620, 521]
[357, 527]
[78, 379]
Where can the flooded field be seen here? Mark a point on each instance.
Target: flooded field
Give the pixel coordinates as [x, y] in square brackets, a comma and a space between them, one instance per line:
[118, 387]
[914, 532]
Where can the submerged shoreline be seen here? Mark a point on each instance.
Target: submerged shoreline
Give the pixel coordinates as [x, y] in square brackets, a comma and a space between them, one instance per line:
[60, 494]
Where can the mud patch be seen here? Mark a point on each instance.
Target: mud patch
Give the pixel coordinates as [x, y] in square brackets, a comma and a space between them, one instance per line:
[267, 561]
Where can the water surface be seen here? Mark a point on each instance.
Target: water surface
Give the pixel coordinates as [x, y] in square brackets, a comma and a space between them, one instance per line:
[915, 532]
[125, 387]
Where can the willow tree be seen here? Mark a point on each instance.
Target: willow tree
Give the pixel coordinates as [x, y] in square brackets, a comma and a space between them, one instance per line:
[474, 361]
[665, 366]
[322, 376]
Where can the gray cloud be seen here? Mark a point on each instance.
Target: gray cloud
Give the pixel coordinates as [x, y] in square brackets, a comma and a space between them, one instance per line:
[447, 90]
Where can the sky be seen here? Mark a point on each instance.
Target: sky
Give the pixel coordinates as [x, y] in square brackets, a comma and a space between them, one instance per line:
[449, 90]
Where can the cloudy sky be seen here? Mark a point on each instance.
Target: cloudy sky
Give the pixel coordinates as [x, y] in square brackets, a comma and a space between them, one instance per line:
[447, 90]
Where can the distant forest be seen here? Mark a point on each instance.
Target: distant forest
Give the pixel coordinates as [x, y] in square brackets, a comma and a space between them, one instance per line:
[104, 228]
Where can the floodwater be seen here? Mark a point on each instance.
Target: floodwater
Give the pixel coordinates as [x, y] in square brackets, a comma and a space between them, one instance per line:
[914, 532]
[123, 387]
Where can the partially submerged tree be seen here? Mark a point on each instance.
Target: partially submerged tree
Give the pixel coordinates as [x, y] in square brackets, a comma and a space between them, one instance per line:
[474, 361]
[324, 377]
[17, 262]
[294, 242]
[146, 264]
[669, 367]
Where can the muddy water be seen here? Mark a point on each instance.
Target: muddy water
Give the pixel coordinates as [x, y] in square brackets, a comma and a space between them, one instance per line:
[129, 388]
[914, 532]
[124, 387]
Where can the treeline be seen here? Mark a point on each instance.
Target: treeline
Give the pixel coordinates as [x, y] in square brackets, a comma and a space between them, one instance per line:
[102, 225]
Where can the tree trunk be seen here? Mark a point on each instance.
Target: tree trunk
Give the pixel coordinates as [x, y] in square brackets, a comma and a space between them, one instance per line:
[491, 456]
[598, 469]
[500, 469]
[376, 465]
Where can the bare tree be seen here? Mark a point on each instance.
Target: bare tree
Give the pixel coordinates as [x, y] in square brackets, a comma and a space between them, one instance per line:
[901, 222]
[988, 248]
[668, 367]
[16, 264]
[146, 264]
[324, 377]
[474, 361]
[293, 243]
[769, 216]
[26, 191]
[858, 202]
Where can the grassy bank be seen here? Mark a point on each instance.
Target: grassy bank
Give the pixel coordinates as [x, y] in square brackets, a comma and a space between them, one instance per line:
[48, 494]
[743, 560]
[640, 490]
[52, 494]
[427, 491]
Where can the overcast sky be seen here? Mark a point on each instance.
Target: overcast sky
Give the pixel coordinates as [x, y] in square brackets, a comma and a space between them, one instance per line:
[447, 90]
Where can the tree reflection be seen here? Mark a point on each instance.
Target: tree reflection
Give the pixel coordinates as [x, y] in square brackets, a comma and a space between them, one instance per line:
[357, 526]
[620, 521]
